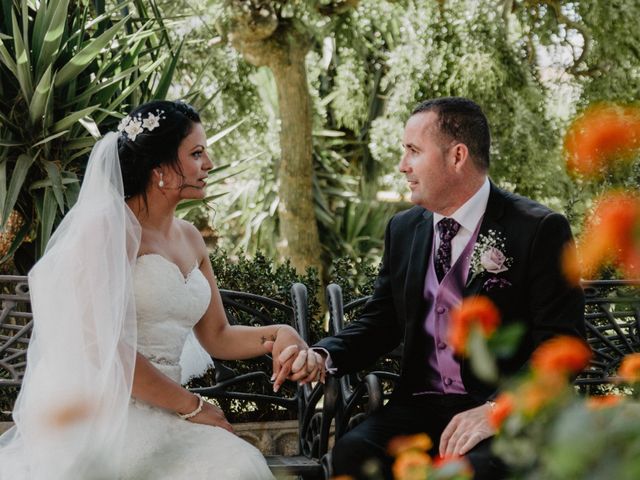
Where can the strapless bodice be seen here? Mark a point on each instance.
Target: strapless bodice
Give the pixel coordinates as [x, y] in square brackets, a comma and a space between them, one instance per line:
[168, 305]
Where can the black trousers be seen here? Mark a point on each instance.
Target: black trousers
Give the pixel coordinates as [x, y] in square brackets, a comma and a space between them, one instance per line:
[405, 416]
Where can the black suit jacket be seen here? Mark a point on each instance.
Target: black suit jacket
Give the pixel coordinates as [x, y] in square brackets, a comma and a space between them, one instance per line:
[539, 296]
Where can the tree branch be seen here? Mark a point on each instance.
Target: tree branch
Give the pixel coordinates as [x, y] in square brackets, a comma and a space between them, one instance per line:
[582, 29]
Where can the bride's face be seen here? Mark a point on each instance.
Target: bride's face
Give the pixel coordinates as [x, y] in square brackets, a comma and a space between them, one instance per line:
[193, 163]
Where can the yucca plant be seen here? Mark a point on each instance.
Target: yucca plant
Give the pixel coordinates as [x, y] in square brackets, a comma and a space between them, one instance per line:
[69, 70]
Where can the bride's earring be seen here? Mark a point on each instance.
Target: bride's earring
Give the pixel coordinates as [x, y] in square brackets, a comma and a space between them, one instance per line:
[161, 182]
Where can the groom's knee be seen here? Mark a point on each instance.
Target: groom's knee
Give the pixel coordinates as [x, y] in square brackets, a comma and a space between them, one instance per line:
[354, 454]
[486, 465]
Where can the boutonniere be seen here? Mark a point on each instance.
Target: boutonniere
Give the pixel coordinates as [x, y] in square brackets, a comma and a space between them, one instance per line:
[489, 257]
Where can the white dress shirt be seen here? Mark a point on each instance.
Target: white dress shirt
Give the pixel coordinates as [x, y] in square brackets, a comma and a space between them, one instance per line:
[468, 216]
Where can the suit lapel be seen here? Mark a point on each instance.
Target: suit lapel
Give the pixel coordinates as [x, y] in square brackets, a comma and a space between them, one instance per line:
[490, 221]
[417, 268]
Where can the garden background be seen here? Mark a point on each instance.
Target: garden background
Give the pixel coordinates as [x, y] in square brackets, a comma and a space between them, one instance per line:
[304, 103]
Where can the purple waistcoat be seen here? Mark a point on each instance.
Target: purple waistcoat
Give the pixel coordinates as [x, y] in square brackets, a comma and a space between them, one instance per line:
[443, 367]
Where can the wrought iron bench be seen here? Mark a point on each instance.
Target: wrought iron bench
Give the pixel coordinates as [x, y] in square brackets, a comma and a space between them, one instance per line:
[612, 315]
[246, 382]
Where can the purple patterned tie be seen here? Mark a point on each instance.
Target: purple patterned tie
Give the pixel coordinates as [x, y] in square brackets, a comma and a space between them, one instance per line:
[447, 228]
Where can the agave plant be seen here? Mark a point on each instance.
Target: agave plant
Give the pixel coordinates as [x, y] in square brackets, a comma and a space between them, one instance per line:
[67, 70]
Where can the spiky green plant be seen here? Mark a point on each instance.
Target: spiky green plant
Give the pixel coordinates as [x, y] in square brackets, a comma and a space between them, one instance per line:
[68, 68]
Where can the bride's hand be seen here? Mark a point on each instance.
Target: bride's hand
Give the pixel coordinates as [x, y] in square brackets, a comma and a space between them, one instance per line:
[284, 350]
[211, 415]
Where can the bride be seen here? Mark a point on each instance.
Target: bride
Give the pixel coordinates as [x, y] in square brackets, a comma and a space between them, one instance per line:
[121, 289]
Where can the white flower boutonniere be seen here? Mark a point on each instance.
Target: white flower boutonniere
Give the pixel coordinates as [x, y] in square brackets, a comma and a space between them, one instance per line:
[489, 256]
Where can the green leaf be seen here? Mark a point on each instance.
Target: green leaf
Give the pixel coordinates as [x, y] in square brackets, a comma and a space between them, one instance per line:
[115, 104]
[482, 362]
[42, 17]
[48, 183]
[189, 204]
[17, 241]
[80, 143]
[80, 153]
[504, 342]
[7, 60]
[88, 123]
[23, 65]
[50, 137]
[68, 121]
[97, 87]
[84, 57]
[39, 100]
[9, 143]
[328, 133]
[217, 180]
[52, 35]
[18, 176]
[47, 220]
[4, 120]
[223, 133]
[3, 181]
[167, 75]
[53, 171]
[48, 107]
[73, 189]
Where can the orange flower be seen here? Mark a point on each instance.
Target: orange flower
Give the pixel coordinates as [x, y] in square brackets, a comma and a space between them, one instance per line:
[71, 413]
[540, 391]
[473, 311]
[630, 368]
[571, 264]
[611, 235]
[411, 465]
[457, 467]
[603, 133]
[603, 401]
[561, 355]
[404, 443]
[505, 404]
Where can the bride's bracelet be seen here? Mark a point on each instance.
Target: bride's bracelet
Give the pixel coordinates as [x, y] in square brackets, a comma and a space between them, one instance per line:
[187, 416]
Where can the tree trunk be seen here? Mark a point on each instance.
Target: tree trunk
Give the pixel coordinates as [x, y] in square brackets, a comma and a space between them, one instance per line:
[284, 51]
[298, 226]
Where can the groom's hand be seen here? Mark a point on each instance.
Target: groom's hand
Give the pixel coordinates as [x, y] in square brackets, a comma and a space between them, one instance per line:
[308, 367]
[465, 431]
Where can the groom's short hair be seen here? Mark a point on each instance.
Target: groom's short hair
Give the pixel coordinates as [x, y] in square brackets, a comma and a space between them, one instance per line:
[462, 120]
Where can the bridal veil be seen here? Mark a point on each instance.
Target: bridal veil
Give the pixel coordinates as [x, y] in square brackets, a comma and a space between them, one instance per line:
[71, 413]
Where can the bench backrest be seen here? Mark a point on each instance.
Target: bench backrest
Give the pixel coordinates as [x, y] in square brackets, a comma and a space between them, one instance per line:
[612, 317]
[246, 381]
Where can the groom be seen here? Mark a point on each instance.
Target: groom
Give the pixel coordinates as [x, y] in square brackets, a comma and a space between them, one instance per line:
[425, 273]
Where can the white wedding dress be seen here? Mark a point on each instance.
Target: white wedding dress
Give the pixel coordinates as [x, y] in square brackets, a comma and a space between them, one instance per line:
[158, 443]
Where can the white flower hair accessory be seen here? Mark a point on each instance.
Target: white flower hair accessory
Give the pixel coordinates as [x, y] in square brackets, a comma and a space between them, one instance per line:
[131, 127]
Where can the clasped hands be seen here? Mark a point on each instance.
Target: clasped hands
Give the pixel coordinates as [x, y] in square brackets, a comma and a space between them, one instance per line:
[293, 359]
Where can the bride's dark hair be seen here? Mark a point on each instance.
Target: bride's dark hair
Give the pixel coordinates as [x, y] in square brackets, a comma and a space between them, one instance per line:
[141, 153]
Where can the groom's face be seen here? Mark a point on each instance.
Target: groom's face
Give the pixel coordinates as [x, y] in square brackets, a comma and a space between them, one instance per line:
[425, 164]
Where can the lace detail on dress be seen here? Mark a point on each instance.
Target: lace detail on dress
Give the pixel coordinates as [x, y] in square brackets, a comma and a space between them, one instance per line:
[162, 360]
[158, 444]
